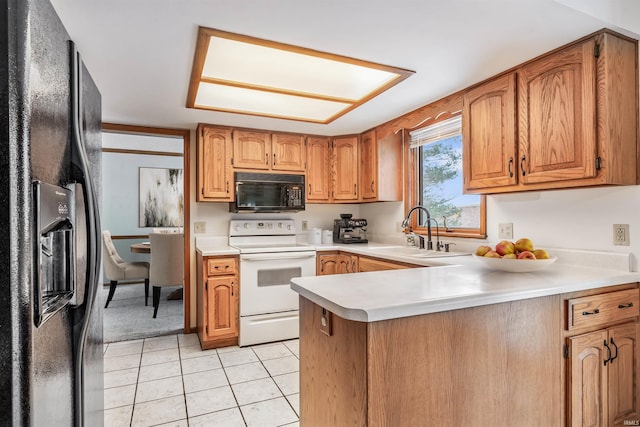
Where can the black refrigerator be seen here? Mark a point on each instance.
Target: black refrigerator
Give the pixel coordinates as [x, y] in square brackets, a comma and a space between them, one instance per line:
[51, 349]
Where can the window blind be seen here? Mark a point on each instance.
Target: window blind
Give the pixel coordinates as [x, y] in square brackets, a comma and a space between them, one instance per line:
[435, 132]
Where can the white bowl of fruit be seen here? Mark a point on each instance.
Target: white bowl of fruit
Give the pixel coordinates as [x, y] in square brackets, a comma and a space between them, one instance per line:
[518, 257]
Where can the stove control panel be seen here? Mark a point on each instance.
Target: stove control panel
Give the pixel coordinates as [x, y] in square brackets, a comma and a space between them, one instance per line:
[262, 227]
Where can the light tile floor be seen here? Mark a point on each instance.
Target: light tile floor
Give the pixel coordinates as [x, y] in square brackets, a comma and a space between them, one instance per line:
[170, 381]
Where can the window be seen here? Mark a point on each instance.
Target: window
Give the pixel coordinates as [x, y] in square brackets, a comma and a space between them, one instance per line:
[438, 181]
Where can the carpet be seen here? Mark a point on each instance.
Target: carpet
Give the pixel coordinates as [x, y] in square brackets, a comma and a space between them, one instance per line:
[127, 318]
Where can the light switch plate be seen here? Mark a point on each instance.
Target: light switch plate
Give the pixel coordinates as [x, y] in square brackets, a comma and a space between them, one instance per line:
[505, 230]
[199, 227]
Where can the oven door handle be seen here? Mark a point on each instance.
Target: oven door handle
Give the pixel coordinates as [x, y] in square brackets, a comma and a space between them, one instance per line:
[272, 257]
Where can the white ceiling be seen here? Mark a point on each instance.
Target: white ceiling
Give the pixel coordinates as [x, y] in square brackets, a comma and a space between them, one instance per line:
[140, 52]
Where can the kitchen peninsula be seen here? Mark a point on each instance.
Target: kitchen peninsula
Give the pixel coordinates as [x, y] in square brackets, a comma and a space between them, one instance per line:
[459, 344]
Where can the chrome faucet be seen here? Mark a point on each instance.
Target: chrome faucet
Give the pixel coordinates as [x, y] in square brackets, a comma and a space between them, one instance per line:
[405, 224]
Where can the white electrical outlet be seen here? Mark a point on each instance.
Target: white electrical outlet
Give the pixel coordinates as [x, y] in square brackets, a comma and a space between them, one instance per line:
[305, 225]
[505, 230]
[621, 234]
[199, 227]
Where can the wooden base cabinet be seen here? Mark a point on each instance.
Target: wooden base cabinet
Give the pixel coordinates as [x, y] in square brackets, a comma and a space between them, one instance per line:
[218, 301]
[603, 366]
[495, 365]
[336, 263]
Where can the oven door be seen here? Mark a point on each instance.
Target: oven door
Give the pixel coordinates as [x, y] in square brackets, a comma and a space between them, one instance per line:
[264, 280]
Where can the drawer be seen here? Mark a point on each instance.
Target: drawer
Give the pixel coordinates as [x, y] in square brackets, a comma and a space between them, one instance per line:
[219, 266]
[602, 309]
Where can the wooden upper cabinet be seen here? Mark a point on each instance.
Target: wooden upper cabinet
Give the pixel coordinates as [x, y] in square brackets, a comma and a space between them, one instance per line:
[381, 172]
[215, 173]
[576, 120]
[345, 179]
[369, 165]
[489, 134]
[251, 150]
[288, 152]
[557, 128]
[318, 170]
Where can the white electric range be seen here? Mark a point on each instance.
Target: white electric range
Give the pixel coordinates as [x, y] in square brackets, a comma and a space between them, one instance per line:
[269, 259]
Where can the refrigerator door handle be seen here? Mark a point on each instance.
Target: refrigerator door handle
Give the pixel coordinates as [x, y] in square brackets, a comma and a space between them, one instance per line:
[81, 166]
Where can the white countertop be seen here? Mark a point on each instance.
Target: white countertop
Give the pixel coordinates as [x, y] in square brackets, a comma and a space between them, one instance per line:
[452, 283]
[214, 245]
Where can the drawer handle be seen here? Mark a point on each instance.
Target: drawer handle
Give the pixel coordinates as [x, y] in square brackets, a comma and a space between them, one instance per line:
[625, 305]
[588, 313]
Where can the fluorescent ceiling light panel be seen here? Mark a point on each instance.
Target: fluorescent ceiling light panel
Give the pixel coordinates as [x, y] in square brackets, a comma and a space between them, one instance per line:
[242, 74]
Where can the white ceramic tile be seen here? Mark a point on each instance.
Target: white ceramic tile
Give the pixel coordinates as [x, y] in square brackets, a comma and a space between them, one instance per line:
[159, 371]
[226, 418]
[188, 340]
[283, 365]
[271, 351]
[118, 417]
[159, 389]
[203, 380]
[288, 383]
[238, 357]
[294, 346]
[198, 364]
[192, 351]
[294, 401]
[118, 343]
[255, 391]
[119, 396]
[160, 343]
[269, 413]
[123, 350]
[120, 378]
[211, 400]
[248, 372]
[228, 349]
[159, 411]
[121, 362]
[179, 423]
[162, 356]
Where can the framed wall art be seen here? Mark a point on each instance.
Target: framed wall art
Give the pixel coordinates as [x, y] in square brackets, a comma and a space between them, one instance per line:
[161, 197]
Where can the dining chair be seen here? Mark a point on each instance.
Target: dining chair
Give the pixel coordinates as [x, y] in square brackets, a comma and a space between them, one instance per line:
[167, 263]
[116, 269]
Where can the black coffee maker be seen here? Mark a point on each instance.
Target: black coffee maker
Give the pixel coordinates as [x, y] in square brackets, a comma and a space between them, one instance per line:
[347, 230]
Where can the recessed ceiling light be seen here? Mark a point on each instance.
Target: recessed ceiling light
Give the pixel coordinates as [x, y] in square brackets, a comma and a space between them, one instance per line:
[241, 74]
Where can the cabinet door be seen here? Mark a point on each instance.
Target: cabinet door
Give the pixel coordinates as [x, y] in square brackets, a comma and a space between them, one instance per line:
[345, 182]
[327, 264]
[318, 167]
[251, 150]
[587, 379]
[489, 134]
[369, 165]
[215, 174]
[623, 374]
[289, 152]
[347, 264]
[557, 116]
[221, 313]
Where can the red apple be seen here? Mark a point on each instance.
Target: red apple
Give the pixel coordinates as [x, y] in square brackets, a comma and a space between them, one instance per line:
[541, 254]
[482, 250]
[510, 256]
[505, 247]
[524, 244]
[526, 255]
[492, 254]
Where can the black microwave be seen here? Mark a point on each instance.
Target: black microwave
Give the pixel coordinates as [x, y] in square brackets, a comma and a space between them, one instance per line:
[266, 192]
